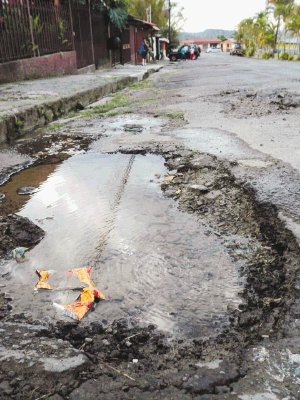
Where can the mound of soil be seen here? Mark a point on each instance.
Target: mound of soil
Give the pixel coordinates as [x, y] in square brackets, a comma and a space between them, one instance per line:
[17, 231]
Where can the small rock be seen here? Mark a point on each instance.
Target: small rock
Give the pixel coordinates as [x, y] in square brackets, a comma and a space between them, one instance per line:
[214, 194]
[55, 397]
[135, 361]
[105, 342]
[128, 343]
[26, 190]
[88, 340]
[115, 354]
[80, 106]
[2, 196]
[11, 374]
[5, 388]
[198, 188]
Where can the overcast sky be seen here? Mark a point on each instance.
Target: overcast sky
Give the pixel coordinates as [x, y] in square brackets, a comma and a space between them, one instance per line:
[218, 14]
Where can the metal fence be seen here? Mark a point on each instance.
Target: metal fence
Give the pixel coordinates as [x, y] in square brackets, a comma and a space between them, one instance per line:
[31, 28]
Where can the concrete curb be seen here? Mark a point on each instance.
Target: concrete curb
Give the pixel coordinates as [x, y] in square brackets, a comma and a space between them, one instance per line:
[27, 120]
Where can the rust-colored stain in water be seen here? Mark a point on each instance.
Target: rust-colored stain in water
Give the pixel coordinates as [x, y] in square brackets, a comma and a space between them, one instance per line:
[33, 176]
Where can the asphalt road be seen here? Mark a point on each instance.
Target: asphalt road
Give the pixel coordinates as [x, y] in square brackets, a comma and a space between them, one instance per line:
[244, 112]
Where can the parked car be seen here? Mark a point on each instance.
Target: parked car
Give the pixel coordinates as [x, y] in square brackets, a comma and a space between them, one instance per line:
[237, 50]
[213, 50]
[176, 55]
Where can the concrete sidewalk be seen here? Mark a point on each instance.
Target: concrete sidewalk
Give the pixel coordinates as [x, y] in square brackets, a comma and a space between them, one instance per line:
[27, 105]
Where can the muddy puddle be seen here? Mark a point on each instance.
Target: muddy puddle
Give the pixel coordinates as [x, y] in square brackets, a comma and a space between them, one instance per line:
[154, 263]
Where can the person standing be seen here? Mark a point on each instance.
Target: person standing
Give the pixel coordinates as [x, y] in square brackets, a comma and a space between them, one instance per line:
[182, 53]
[143, 51]
[192, 52]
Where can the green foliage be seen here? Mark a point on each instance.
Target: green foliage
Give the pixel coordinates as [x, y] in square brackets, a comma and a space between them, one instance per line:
[62, 32]
[267, 56]
[297, 58]
[284, 56]
[250, 51]
[260, 32]
[291, 58]
[222, 37]
[119, 100]
[175, 115]
[116, 10]
[257, 32]
[160, 16]
[144, 84]
[36, 25]
[118, 16]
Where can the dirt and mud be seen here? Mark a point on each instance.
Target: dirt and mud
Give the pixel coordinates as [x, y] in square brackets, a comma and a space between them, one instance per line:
[245, 103]
[131, 359]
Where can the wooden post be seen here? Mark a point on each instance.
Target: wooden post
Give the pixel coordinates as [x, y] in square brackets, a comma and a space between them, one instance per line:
[72, 26]
[109, 51]
[91, 32]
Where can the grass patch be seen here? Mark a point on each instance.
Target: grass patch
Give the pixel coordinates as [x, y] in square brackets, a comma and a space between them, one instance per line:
[54, 127]
[150, 100]
[174, 115]
[114, 113]
[119, 100]
[145, 84]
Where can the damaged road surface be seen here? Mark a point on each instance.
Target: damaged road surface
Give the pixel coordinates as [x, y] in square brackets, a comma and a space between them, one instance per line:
[188, 227]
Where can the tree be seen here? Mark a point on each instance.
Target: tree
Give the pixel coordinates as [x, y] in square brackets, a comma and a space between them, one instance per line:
[160, 15]
[116, 10]
[282, 10]
[293, 22]
[256, 33]
[138, 8]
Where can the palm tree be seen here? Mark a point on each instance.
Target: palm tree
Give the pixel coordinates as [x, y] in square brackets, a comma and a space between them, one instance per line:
[282, 10]
[263, 30]
[293, 23]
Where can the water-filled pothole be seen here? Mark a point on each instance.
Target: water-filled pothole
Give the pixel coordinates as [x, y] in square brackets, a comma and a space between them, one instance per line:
[153, 262]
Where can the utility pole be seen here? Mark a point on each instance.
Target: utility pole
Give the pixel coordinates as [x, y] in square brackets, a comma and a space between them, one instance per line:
[170, 22]
[149, 14]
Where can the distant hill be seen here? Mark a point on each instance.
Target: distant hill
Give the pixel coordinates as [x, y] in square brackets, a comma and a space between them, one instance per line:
[208, 33]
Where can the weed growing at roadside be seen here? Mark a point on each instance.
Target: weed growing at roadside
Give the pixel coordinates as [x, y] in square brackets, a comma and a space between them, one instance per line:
[174, 115]
[150, 100]
[119, 100]
[120, 112]
[54, 127]
[140, 85]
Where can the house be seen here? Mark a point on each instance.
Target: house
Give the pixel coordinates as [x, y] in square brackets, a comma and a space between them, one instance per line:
[163, 46]
[227, 45]
[204, 43]
[140, 29]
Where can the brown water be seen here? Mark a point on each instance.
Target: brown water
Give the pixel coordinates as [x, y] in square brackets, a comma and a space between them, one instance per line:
[153, 262]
